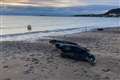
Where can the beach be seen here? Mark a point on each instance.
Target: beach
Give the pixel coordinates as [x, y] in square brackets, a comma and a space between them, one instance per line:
[39, 60]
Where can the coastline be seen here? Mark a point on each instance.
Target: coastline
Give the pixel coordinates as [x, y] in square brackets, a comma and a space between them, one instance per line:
[35, 60]
[45, 34]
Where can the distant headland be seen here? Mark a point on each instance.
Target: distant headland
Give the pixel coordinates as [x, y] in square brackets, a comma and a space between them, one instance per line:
[110, 13]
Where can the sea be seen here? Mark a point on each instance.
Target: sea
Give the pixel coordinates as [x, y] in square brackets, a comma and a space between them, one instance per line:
[52, 25]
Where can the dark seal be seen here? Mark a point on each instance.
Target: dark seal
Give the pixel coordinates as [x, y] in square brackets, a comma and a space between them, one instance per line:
[74, 51]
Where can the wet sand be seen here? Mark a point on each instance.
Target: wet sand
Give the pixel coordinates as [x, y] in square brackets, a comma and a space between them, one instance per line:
[38, 60]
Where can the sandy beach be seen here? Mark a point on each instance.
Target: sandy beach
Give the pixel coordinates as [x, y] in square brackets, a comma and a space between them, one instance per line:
[38, 60]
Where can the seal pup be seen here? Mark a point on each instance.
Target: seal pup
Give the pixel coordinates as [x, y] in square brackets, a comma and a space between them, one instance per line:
[76, 53]
[54, 42]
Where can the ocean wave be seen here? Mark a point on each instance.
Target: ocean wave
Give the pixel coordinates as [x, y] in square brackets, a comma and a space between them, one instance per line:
[40, 34]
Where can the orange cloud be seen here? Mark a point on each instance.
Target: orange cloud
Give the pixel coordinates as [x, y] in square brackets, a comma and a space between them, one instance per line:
[52, 3]
[14, 1]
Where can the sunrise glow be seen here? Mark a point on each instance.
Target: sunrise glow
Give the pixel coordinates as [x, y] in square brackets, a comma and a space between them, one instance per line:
[58, 3]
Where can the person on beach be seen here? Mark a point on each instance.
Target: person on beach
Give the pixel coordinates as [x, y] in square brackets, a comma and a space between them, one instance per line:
[29, 28]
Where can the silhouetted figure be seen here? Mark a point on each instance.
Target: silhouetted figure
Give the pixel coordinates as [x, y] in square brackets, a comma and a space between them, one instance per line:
[29, 27]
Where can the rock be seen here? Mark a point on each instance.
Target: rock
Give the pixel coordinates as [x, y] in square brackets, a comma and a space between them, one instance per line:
[107, 78]
[35, 61]
[100, 29]
[106, 70]
[5, 66]
[29, 70]
[7, 79]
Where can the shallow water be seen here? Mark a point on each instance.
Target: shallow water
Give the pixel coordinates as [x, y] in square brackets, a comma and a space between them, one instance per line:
[17, 24]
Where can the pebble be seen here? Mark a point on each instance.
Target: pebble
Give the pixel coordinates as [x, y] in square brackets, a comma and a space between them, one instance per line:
[35, 61]
[106, 70]
[7, 79]
[5, 66]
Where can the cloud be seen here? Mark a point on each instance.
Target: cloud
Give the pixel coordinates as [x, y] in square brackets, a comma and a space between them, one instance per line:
[63, 3]
[56, 3]
[14, 1]
[52, 3]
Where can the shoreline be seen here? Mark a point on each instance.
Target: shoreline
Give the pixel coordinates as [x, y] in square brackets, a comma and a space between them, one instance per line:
[34, 32]
[45, 34]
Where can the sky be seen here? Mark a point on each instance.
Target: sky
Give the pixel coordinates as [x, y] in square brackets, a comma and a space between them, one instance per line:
[60, 3]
